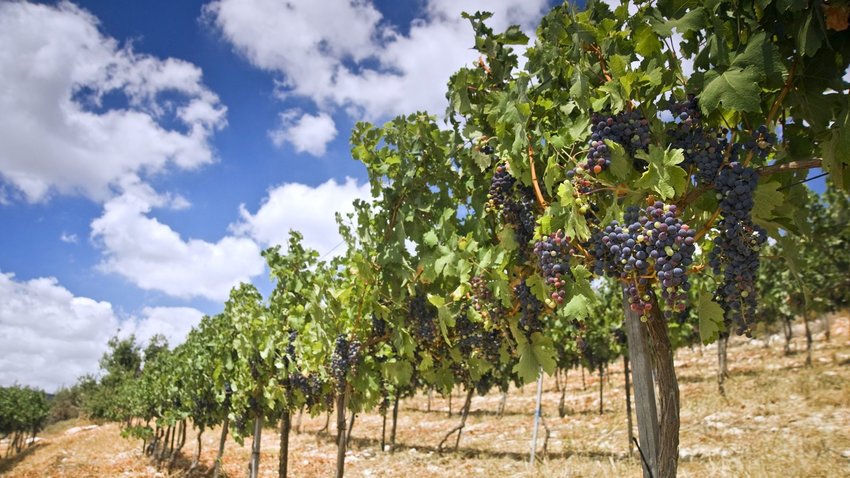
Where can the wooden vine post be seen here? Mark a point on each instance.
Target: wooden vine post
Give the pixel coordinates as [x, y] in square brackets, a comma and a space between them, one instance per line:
[645, 409]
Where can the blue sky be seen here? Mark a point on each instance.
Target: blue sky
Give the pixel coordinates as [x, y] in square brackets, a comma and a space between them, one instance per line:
[150, 150]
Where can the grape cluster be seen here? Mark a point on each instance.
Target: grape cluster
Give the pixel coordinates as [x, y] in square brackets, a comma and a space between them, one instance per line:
[736, 249]
[652, 243]
[553, 253]
[290, 347]
[530, 308]
[345, 356]
[630, 129]
[310, 386]
[470, 335]
[481, 295]
[482, 300]
[518, 212]
[760, 143]
[500, 188]
[379, 326]
[424, 318]
[703, 148]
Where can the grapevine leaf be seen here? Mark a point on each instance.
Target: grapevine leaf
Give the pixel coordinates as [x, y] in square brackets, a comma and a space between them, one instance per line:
[483, 161]
[576, 224]
[836, 153]
[544, 351]
[527, 367]
[431, 238]
[578, 307]
[646, 41]
[581, 85]
[443, 262]
[663, 176]
[506, 238]
[537, 286]
[398, 372]
[621, 165]
[737, 89]
[761, 57]
[766, 199]
[710, 318]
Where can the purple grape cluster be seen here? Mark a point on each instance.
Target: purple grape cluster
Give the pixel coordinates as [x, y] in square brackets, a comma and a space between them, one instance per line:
[530, 308]
[424, 318]
[344, 358]
[379, 326]
[290, 346]
[310, 387]
[482, 300]
[651, 244]
[501, 187]
[630, 129]
[553, 254]
[760, 143]
[703, 148]
[736, 249]
[518, 212]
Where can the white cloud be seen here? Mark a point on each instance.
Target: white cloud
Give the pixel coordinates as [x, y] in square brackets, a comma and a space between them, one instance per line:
[69, 238]
[57, 134]
[309, 210]
[352, 59]
[310, 134]
[153, 256]
[48, 336]
[172, 322]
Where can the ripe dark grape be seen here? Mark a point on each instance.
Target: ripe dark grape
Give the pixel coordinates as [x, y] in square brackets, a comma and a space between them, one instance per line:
[703, 148]
[290, 347]
[518, 212]
[530, 308]
[423, 316]
[652, 246]
[379, 326]
[345, 357]
[736, 249]
[553, 254]
[629, 129]
[500, 188]
[482, 300]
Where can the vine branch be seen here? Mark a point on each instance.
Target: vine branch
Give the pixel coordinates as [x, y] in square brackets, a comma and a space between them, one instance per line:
[534, 181]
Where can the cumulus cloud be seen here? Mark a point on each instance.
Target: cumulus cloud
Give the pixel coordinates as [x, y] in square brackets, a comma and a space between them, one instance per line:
[153, 256]
[309, 210]
[353, 59]
[48, 336]
[69, 238]
[310, 134]
[172, 322]
[81, 112]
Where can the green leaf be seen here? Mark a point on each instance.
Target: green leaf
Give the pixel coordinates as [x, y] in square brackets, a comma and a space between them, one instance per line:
[736, 89]
[527, 367]
[507, 238]
[761, 57]
[578, 307]
[663, 176]
[483, 161]
[646, 41]
[836, 153]
[710, 318]
[430, 238]
[766, 199]
[442, 262]
[621, 164]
